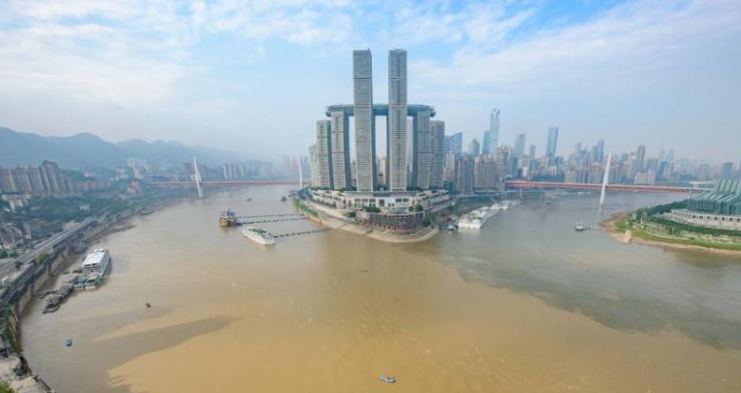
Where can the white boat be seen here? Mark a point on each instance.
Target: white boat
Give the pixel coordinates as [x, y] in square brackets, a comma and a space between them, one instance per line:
[95, 268]
[477, 218]
[259, 235]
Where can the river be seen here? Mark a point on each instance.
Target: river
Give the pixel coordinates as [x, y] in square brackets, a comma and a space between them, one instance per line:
[526, 304]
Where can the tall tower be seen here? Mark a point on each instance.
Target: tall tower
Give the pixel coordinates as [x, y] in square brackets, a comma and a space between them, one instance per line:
[493, 131]
[341, 175]
[551, 145]
[323, 154]
[437, 144]
[365, 125]
[422, 150]
[397, 121]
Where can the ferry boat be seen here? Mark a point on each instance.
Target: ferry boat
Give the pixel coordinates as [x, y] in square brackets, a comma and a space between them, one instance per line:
[477, 218]
[259, 236]
[94, 269]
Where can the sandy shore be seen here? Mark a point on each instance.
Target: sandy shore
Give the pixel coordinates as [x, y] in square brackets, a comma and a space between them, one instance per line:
[626, 237]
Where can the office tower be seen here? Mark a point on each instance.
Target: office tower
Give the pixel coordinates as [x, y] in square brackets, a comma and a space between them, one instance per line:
[474, 148]
[324, 154]
[454, 143]
[485, 172]
[600, 151]
[491, 147]
[340, 133]
[397, 120]
[519, 149]
[422, 150]
[464, 178]
[313, 165]
[551, 145]
[502, 160]
[726, 171]
[577, 149]
[486, 143]
[365, 125]
[532, 152]
[437, 170]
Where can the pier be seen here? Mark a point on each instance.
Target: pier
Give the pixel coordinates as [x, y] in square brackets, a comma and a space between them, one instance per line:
[302, 232]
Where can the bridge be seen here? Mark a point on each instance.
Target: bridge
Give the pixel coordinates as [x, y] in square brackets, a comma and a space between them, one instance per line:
[525, 185]
[226, 183]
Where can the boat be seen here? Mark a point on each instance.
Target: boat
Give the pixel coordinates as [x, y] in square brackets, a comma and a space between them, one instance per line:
[227, 218]
[94, 269]
[259, 236]
[580, 228]
[146, 212]
[283, 198]
[387, 379]
[477, 218]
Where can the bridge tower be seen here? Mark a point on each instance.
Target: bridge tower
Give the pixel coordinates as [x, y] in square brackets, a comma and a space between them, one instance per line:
[605, 180]
[197, 178]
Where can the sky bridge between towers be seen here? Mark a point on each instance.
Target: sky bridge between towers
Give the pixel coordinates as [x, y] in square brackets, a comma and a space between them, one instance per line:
[380, 109]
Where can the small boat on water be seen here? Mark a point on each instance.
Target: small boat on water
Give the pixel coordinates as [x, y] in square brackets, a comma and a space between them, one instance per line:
[387, 378]
[580, 228]
[283, 198]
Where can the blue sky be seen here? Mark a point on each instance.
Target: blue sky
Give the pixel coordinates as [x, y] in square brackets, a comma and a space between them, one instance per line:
[256, 75]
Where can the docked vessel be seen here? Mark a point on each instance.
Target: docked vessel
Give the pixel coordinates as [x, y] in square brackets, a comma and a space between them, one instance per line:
[228, 218]
[94, 269]
[477, 218]
[259, 235]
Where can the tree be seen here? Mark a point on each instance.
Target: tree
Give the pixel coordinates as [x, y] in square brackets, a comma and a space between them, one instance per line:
[5, 388]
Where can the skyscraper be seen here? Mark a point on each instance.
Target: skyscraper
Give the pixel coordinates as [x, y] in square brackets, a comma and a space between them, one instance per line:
[313, 165]
[324, 154]
[491, 147]
[519, 149]
[474, 148]
[340, 132]
[422, 150]
[551, 146]
[464, 177]
[437, 170]
[365, 127]
[454, 143]
[397, 120]
[486, 143]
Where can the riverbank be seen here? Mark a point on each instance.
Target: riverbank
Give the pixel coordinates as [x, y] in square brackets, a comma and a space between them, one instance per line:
[618, 229]
[423, 234]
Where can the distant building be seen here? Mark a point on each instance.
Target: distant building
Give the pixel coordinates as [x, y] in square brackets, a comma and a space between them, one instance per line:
[437, 170]
[519, 149]
[491, 145]
[324, 154]
[474, 148]
[551, 145]
[726, 171]
[464, 175]
[485, 172]
[313, 165]
[454, 144]
[340, 132]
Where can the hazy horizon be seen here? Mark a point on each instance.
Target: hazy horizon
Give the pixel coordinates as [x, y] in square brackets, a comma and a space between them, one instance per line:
[255, 77]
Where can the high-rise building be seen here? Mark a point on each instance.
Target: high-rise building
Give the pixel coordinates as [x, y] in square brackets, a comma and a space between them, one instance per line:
[474, 148]
[341, 175]
[313, 165]
[365, 125]
[726, 170]
[437, 170]
[454, 143]
[485, 172]
[532, 152]
[486, 143]
[397, 120]
[422, 150]
[324, 154]
[491, 147]
[464, 177]
[502, 159]
[551, 145]
[519, 149]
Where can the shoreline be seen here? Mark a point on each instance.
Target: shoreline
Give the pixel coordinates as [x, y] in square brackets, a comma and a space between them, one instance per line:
[385, 236]
[608, 226]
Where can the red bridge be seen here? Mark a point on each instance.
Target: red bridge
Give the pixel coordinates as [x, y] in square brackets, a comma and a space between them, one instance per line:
[226, 183]
[610, 187]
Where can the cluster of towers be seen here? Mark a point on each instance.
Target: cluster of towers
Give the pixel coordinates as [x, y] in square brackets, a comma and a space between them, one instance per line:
[330, 155]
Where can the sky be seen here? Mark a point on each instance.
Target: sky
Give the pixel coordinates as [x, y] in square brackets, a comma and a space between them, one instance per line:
[256, 75]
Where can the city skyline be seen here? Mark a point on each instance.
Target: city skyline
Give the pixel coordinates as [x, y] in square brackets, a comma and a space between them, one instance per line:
[219, 76]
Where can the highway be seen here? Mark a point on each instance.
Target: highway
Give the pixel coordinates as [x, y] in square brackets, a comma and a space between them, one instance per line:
[48, 244]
